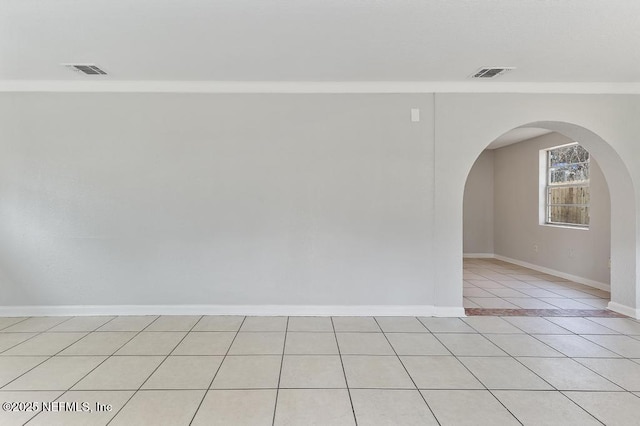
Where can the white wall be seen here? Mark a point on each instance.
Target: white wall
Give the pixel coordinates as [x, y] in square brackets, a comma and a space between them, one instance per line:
[478, 207]
[271, 199]
[582, 253]
[126, 199]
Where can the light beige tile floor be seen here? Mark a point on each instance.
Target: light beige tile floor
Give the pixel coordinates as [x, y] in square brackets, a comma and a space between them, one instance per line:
[237, 407]
[312, 371]
[455, 406]
[453, 371]
[331, 371]
[504, 373]
[391, 408]
[611, 408]
[545, 408]
[63, 417]
[305, 343]
[494, 284]
[120, 373]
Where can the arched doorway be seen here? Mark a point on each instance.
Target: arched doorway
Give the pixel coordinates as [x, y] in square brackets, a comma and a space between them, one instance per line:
[623, 209]
[533, 259]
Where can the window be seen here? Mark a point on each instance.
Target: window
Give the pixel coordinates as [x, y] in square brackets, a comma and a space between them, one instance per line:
[567, 186]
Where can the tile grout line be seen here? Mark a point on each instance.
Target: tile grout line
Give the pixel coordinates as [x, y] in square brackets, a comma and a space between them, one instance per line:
[554, 389]
[15, 323]
[489, 266]
[43, 332]
[284, 344]
[572, 333]
[530, 335]
[527, 296]
[174, 348]
[158, 366]
[577, 360]
[346, 382]
[538, 298]
[217, 371]
[601, 325]
[471, 372]
[47, 357]
[620, 356]
[64, 392]
[524, 295]
[565, 356]
[581, 407]
[405, 368]
[513, 357]
[491, 392]
[493, 266]
[566, 284]
[136, 391]
[604, 347]
[36, 334]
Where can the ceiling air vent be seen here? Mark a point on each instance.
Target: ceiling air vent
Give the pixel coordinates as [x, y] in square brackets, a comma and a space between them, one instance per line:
[491, 72]
[88, 69]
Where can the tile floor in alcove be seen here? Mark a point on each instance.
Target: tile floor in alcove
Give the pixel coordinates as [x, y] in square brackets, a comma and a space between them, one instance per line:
[217, 370]
[491, 283]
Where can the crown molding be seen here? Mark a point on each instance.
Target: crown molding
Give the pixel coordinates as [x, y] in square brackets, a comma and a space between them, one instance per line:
[309, 87]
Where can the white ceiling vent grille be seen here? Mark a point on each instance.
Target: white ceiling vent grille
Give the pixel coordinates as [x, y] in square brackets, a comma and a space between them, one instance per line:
[491, 72]
[88, 69]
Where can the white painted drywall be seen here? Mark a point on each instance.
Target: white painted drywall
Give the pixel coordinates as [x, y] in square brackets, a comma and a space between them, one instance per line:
[117, 199]
[271, 199]
[478, 207]
[579, 252]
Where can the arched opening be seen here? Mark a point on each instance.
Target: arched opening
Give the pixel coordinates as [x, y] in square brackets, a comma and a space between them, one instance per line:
[520, 251]
[503, 222]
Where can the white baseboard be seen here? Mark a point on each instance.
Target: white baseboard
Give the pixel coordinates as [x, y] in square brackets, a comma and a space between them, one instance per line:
[624, 310]
[249, 310]
[478, 255]
[570, 277]
[448, 311]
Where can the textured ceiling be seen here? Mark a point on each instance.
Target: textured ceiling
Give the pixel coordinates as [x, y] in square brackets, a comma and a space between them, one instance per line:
[322, 40]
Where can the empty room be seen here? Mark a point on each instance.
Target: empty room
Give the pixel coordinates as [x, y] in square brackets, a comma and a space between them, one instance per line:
[319, 212]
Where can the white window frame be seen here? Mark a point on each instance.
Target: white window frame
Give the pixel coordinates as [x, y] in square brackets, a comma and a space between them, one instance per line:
[545, 185]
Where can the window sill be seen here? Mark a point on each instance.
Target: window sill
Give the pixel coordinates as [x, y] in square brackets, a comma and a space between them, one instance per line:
[553, 225]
